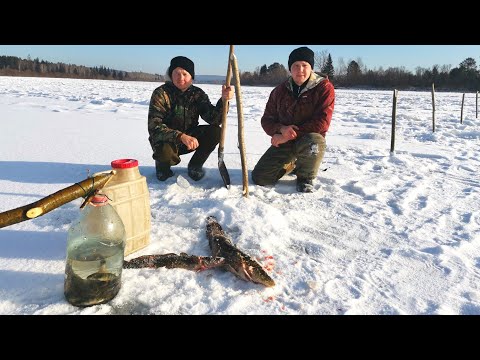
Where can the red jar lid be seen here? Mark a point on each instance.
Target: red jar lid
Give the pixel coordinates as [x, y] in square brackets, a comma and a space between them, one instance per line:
[124, 163]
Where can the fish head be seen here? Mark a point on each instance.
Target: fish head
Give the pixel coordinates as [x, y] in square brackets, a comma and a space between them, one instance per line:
[249, 269]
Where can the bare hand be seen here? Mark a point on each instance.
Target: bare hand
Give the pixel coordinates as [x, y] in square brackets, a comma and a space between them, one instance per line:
[289, 132]
[227, 92]
[278, 139]
[190, 142]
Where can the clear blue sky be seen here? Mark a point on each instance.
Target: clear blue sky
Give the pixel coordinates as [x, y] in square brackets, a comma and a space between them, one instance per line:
[212, 59]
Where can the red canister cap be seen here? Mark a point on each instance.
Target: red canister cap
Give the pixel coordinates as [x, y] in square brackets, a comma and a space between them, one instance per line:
[124, 163]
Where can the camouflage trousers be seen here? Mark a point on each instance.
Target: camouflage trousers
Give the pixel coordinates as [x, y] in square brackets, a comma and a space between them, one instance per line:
[307, 151]
[208, 137]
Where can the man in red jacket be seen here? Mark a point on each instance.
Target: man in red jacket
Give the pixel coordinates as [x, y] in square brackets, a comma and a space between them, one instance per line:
[297, 117]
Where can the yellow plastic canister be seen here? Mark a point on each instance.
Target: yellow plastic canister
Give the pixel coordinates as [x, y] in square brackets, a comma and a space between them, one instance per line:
[128, 194]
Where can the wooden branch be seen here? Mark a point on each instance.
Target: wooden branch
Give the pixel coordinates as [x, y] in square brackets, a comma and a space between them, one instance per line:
[394, 117]
[221, 163]
[82, 189]
[241, 137]
[433, 107]
[225, 106]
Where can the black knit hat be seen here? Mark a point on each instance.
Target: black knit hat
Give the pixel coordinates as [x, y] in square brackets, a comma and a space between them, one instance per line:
[184, 63]
[301, 54]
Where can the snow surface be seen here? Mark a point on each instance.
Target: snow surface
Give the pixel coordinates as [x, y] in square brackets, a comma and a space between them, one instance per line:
[382, 234]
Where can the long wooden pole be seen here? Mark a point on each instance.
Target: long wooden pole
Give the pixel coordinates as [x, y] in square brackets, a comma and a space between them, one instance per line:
[433, 107]
[476, 106]
[394, 116]
[241, 137]
[461, 112]
[221, 163]
[82, 189]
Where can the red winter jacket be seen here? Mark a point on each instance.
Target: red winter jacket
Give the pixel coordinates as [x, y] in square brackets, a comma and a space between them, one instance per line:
[311, 111]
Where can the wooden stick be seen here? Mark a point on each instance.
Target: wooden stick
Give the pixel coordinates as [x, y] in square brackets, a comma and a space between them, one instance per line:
[221, 163]
[241, 137]
[83, 189]
[394, 115]
[461, 112]
[433, 107]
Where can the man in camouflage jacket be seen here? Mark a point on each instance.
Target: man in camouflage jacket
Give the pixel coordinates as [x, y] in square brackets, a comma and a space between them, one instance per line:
[297, 117]
[173, 121]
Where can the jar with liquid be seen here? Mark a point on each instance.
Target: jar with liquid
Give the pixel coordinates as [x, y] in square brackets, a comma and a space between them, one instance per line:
[95, 253]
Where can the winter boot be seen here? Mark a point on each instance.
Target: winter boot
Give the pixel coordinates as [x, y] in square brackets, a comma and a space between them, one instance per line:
[304, 185]
[163, 171]
[196, 172]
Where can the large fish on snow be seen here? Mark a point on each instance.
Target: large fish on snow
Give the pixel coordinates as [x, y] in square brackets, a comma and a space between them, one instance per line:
[236, 261]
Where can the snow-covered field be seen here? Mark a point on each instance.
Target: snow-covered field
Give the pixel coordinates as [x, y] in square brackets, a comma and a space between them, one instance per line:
[382, 234]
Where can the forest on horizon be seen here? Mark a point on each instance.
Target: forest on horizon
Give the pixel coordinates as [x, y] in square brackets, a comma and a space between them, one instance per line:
[15, 66]
[355, 74]
[351, 74]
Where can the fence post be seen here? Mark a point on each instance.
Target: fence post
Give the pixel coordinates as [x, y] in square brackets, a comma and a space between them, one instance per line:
[433, 107]
[394, 115]
[461, 113]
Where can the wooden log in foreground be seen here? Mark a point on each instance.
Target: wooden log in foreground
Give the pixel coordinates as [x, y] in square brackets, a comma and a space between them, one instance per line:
[82, 189]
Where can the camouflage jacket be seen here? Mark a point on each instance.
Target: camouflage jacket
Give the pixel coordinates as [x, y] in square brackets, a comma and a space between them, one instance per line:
[172, 112]
[311, 111]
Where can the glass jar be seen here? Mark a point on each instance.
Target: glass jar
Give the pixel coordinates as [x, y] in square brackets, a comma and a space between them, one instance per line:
[95, 253]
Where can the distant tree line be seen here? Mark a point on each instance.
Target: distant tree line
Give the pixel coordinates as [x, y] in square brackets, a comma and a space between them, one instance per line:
[15, 66]
[267, 76]
[355, 74]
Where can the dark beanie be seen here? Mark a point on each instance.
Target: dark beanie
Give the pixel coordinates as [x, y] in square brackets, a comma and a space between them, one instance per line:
[301, 54]
[184, 63]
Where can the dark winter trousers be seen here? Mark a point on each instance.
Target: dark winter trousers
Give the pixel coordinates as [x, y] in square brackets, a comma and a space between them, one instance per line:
[208, 136]
[308, 152]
